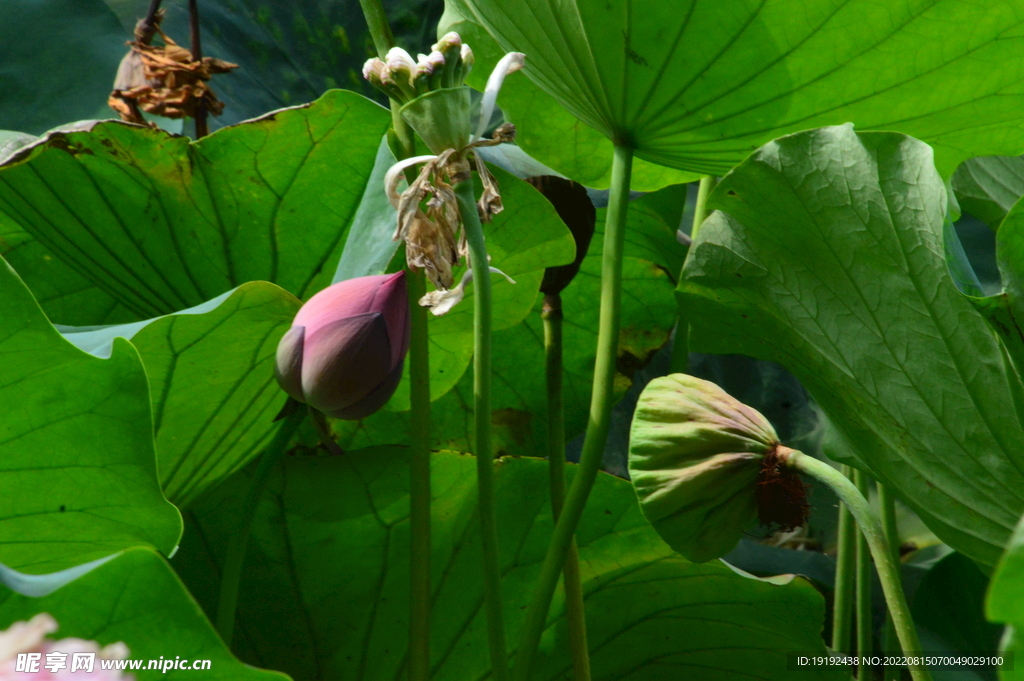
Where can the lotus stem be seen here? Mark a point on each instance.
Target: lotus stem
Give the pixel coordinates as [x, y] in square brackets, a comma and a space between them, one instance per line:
[575, 611]
[863, 599]
[419, 396]
[600, 415]
[232, 573]
[482, 419]
[700, 210]
[419, 483]
[842, 609]
[680, 360]
[890, 646]
[377, 23]
[202, 128]
[871, 527]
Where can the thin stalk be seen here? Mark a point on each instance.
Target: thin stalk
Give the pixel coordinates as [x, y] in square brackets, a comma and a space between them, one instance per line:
[202, 127]
[884, 564]
[890, 646]
[575, 611]
[419, 374]
[600, 415]
[679, 363]
[150, 21]
[842, 611]
[419, 483]
[482, 431]
[863, 600]
[231, 576]
[377, 23]
[700, 210]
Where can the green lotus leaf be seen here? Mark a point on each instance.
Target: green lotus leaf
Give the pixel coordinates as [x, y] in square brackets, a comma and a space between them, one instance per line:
[1005, 310]
[211, 381]
[77, 464]
[131, 223]
[699, 85]
[826, 254]
[988, 186]
[135, 598]
[324, 592]
[1005, 599]
[694, 458]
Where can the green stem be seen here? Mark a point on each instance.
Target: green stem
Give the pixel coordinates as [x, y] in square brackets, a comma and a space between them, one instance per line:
[842, 613]
[863, 600]
[600, 415]
[700, 210]
[419, 483]
[575, 611]
[884, 564]
[679, 363]
[890, 646]
[482, 421]
[232, 573]
[377, 23]
[419, 374]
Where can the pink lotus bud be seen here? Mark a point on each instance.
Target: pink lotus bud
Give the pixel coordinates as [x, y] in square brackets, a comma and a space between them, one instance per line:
[27, 655]
[344, 352]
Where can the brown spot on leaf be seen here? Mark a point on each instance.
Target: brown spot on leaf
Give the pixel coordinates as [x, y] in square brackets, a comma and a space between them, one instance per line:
[516, 421]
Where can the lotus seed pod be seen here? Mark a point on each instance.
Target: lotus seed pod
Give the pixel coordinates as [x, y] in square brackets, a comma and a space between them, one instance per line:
[344, 353]
[705, 467]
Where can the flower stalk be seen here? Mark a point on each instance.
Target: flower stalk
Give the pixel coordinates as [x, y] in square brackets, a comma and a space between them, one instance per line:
[871, 528]
[890, 646]
[482, 429]
[439, 219]
[842, 612]
[575, 611]
[403, 145]
[862, 600]
[600, 414]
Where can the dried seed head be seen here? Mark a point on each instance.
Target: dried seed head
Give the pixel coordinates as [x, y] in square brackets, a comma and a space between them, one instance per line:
[165, 81]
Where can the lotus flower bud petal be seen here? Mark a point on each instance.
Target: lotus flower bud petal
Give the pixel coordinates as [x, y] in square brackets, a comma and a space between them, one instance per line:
[376, 399]
[428, 63]
[449, 41]
[345, 350]
[373, 70]
[289, 362]
[467, 62]
[344, 361]
[397, 58]
[696, 456]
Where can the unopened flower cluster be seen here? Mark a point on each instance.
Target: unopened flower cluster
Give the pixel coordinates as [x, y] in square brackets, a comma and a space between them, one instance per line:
[403, 79]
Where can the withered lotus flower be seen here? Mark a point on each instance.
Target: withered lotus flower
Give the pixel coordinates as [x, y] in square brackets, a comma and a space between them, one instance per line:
[437, 105]
[163, 80]
[344, 353]
[705, 466]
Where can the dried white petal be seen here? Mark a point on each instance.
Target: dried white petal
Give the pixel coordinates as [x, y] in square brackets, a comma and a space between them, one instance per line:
[510, 63]
[394, 174]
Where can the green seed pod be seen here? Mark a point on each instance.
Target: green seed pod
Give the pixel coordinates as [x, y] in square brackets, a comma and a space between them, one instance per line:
[705, 466]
